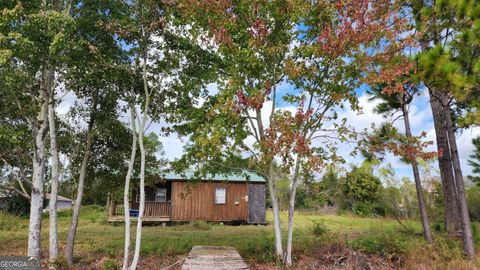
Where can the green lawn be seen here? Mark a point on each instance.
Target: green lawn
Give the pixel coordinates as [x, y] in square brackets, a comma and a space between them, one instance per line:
[96, 237]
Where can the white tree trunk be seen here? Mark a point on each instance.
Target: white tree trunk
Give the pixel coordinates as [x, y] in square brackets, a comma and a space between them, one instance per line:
[127, 190]
[291, 209]
[141, 130]
[81, 182]
[276, 213]
[53, 234]
[141, 210]
[38, 176]
[39, 132]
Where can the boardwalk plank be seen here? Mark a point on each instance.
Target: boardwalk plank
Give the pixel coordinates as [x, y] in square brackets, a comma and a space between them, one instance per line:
[214, 258]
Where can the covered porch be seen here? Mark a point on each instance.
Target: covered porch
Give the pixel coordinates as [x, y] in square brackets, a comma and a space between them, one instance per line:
[154, 211]
[157, 205]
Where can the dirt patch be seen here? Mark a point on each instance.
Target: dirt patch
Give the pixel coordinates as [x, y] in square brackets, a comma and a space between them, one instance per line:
[156, 262]
[338, 256]
[333, 257]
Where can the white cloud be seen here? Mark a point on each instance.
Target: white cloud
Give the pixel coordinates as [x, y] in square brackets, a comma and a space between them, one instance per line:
[420, 117]
[421, 120]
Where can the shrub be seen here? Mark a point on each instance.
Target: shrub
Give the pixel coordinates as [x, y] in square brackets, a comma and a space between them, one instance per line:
[437, 227]
[17, 205]
[318, 228]
[473, 197]
[200, 225]
[447, 248]
[386, 245]
[364, 209]
[261, 251]
[475, 234]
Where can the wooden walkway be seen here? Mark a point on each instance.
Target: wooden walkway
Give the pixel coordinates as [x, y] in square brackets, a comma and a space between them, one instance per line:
[214, 258]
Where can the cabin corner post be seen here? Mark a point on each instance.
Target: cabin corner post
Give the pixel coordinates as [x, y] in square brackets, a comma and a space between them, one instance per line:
[107, 207]
[111, 208]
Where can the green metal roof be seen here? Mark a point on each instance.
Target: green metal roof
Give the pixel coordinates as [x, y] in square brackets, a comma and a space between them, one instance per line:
[244, 177]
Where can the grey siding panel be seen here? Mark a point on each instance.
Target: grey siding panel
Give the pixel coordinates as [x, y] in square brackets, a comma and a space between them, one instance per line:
[256, 203]
[64, 204]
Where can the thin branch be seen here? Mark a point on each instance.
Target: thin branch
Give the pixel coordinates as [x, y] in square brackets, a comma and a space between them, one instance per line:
[255, 133]
[21, 193]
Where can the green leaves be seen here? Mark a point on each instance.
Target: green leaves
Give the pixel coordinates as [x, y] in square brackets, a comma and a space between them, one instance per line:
[360, 184]
[5, 56]
[474, 161]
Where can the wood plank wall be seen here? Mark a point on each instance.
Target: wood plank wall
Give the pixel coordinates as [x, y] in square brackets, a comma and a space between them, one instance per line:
[199, 202]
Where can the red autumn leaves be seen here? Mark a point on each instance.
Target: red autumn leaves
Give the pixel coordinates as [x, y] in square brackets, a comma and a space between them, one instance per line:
[286, 137]
[254, 101]
[387, 139]
[359, 22]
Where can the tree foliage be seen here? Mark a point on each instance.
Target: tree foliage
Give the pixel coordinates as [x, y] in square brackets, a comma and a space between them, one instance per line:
[474, 161]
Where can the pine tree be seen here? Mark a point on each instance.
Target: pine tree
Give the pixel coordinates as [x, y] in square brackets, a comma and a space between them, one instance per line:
[474, 162]
[400, 102]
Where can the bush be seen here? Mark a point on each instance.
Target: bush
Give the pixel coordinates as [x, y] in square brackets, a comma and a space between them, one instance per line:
[200, 225]
[318, 228]
[438, 227]
[365, 209]
[386, 245]
[447, 248]
[475, 234]
[261, 251]
[473, 197]
[17, 205]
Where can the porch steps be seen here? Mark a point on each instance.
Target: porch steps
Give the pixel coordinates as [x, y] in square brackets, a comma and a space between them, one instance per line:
[214, 258]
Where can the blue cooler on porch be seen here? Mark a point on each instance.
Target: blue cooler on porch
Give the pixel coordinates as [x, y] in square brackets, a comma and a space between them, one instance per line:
[133, 213]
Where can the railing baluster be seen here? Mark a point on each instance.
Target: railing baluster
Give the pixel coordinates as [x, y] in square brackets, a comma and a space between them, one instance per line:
[152, 209]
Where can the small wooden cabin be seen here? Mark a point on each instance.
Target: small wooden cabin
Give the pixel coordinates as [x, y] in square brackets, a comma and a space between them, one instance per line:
[233, 198]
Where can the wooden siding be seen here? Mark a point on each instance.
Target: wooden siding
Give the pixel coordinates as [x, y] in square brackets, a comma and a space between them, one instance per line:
[198, 203]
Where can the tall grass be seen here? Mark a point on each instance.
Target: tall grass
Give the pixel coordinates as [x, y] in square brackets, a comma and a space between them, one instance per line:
[10, 222]
[379, 237]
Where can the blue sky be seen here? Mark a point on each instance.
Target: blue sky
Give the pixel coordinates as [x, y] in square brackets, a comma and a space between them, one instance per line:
[420, 116]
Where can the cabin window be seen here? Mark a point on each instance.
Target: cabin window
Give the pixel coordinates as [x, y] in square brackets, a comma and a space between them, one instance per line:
[161, 195]
[220, 195]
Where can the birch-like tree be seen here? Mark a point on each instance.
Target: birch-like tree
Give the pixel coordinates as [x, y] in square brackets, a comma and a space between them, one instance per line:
[52, 211]
[33, 39]
[167, 72]
[254, 124]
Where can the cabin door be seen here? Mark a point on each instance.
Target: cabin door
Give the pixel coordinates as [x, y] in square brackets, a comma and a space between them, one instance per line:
[256, 203]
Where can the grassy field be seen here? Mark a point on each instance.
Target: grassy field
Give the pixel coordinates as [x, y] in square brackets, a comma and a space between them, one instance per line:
[318, 239]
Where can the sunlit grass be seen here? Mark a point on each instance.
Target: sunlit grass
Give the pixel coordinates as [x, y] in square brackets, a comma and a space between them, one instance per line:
[96, 238]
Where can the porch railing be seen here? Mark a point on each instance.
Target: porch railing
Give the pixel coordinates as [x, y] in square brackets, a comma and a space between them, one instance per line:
[157, 209]
[152, 209]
